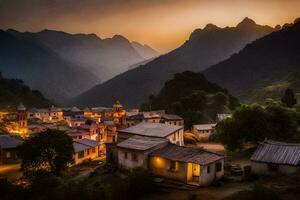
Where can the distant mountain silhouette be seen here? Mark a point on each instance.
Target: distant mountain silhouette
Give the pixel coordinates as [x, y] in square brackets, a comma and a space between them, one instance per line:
[41, 68]
[105, 58]
[13, 92]
[144, 50]
[204, 48]
[264, 68]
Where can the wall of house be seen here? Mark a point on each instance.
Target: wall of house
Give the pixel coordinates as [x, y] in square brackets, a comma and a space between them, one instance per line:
[206, 178]
[177, 138]
[88, 154]
[129, 162]
[161, 167]
[263, 168]
[175, 122]
[204, 135]
[8, 156]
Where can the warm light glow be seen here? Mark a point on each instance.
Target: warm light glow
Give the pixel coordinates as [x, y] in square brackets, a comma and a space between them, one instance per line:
[163, 24]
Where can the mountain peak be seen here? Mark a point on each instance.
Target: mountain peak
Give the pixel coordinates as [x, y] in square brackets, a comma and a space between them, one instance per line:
[247, 22]
[210, 27]
[120, 38]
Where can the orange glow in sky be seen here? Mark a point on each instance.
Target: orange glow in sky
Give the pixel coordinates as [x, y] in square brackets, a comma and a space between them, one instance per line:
[163, 24]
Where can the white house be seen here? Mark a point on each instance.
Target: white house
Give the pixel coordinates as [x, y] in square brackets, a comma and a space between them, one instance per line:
[172, 119]
[272, 157]
[134, 151]
[157, 130]
[204, 131]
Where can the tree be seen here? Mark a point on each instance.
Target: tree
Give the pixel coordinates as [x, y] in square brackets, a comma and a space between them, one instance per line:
[288, 98]
[253, 123]
[51, 151]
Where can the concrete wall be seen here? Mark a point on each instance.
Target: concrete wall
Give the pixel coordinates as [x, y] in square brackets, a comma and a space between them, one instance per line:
[207, 178]
[129, 163]
[204, 135]
[88, 154]
[177, 138]
[161, 167]
[263, 169]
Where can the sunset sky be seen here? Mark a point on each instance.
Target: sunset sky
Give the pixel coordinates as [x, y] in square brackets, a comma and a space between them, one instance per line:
[163, 24]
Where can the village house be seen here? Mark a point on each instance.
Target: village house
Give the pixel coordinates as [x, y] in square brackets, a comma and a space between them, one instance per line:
[222, 116]
[204, 131]
[152, 117]
[85, 149]
[133, 118]
[8, 149]
[172, 119]
[134, 151]
[188, 165]
[158, 130]
[77, 134]
[273, 157]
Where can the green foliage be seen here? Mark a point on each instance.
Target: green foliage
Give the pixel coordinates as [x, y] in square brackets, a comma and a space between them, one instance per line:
[140, 183]
[13, 92]
[51, 151]
[288, 98]
[192, 97]
[253, 123]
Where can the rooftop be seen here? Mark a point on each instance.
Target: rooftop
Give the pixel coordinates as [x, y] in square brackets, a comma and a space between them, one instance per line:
[152, 129]
[204, 126]
[187, 154]
[171, 117]
[277, 153]
[84, 144]
[141, 143]
[7, 141]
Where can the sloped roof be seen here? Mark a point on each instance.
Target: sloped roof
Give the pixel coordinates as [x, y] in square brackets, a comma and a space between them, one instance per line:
[204, 126]
[88, 142]
[141, 143]
[171, 117]
[79, 147]
[7, 142]
[277, 153]
[152, 129]
[187, 154]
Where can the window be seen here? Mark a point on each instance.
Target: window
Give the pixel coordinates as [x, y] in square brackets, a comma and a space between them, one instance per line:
[94, 150]
[113, 138]
[173, 166]
[133, 157]
[8, 155]
[81, 154]
[88, 152]
[125, 155]
[273, 168]
[208, 169]
[218, 166]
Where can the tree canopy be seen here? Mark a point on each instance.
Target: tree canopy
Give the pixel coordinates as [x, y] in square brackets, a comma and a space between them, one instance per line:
[50, 151]
[289, 98]
[253, 123]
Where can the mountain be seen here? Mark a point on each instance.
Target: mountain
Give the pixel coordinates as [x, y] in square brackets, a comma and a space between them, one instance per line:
[13, 92]
[105, 58]
[204, 48]
[264, 68]
[41, 68]
[144, 50]
[192, 96]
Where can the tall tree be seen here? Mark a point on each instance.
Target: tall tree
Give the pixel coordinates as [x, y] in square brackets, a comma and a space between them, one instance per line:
[288, 98]
[51, 151]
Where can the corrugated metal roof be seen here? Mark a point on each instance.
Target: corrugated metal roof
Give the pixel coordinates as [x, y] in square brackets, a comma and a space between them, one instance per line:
[6, 142]
[187, 154]
[277, 153]
[171, 117]
[141, 143]
[152, 129]
[204, 126]
[88, 142]
[80, 147]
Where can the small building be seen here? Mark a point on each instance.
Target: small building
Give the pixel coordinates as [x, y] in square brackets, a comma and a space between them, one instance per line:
[151, 117]
[134, 151]
[8, 149]
[273, 157]
[133, 118]
[79, 134]
[172, 119]
[85, 149]
[188, 165]
[204, 131]
[157, 130]
[222, 116]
